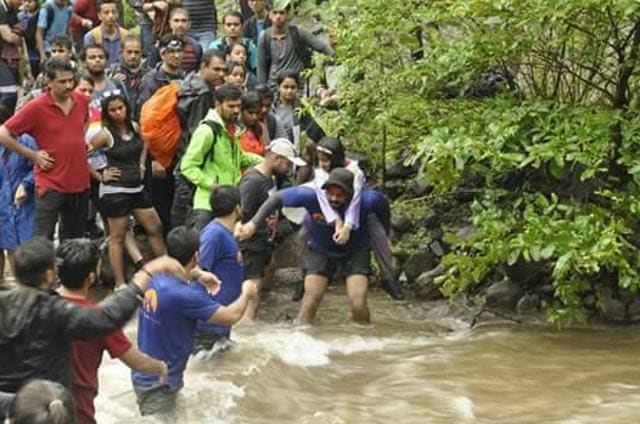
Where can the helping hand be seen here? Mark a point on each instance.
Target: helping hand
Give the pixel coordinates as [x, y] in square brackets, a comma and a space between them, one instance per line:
[244, 231]
[250, 289]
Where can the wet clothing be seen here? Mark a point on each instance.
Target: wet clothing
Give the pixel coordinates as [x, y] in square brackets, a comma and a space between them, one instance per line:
[17, 223]
[167, 325]
[37, 328]
[320, 231]
[323, 262]
[87, 356]
[220, 255]
[213, 159]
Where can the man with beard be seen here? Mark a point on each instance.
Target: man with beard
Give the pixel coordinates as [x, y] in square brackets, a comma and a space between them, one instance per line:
[94, 58]
[194, 102]
[56, 119]
[179, 23]
[130, 69]
[214, 156]
[161, 181]
[323, 254]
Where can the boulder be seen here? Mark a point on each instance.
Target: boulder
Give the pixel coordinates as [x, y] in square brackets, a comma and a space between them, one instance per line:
[287, 276]
[503, 294]
[528, 303]
[633, 310]
[289, 253]
[398, 170]
[401, 223]
[419, 262]
[431, 220]
[426, 288]
[610, 306]
[395, 189]
[419, 188]
[439, 248]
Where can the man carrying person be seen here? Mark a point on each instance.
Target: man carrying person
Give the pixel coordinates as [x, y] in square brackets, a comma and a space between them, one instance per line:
[255, 187]
[179, 23]
[195, 99]
[78, 262]
[130, 69]
[109, 34]
[232, 24]
[37, 328]
[214, 156]
[167, 321]
[323, 254]
[56, 119]
[283, 47]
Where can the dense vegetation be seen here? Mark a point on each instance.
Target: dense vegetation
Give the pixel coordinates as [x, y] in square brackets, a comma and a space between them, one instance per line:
[528, 104]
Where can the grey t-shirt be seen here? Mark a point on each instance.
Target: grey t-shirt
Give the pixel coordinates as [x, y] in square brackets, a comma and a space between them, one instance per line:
[283, 55]
[255, 188]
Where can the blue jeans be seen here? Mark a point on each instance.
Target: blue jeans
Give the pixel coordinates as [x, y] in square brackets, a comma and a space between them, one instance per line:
[204, 38]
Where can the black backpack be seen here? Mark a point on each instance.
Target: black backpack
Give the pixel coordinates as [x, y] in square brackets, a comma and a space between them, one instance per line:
[303, 50]
[32, 26]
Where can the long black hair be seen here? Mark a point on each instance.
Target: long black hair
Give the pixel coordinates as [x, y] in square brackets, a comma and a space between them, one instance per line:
[107, 122]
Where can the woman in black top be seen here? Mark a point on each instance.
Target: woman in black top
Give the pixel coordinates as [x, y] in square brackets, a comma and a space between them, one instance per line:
[124, 194]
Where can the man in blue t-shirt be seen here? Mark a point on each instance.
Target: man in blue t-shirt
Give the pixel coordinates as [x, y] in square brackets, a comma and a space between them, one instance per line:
[167, 321]
[323, 254]
[53, 20]
[219, 255]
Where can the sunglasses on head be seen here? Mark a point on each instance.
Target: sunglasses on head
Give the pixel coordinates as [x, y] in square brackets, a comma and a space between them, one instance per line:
[111, 93]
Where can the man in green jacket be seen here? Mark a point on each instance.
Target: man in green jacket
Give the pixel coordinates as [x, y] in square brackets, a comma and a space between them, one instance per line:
[214, 156]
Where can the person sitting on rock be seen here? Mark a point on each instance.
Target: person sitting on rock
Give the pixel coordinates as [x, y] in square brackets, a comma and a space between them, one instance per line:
[323, 253]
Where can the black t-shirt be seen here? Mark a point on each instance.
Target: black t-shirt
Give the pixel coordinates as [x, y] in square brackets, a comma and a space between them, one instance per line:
[254, 191]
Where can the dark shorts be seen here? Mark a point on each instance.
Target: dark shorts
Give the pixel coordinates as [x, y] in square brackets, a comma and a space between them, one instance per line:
[320, 262]
[255, 258]
[157, 400]
[117, 205]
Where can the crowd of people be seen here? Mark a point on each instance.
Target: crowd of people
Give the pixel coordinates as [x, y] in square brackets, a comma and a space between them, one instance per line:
[199, 143]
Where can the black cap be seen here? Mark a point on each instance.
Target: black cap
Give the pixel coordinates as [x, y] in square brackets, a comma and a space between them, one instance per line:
[342, 178]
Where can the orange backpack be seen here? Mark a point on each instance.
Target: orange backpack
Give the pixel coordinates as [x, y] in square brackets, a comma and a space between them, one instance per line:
[160, 124]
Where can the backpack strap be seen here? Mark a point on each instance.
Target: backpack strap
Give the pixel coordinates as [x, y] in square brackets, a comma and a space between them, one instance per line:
[215, 129]
[265, 41]
[50, 15]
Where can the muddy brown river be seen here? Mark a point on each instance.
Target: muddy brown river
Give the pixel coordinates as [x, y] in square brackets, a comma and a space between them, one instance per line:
[414, 364]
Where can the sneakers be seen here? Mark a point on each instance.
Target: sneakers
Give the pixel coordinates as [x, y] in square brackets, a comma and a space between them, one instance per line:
[298, 291]
[393, 289]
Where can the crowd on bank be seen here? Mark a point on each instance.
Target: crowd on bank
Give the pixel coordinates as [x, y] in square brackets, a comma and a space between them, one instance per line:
[200, 142]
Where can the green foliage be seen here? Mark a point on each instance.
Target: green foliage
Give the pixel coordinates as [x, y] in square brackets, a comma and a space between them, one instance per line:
[553, 144]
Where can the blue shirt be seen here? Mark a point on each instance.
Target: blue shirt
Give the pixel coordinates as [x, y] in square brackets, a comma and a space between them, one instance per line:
[321, 232]
[220, 255]
[17, 224]
[167, 324]
[252, 52]
[59, 25]
[113, 46]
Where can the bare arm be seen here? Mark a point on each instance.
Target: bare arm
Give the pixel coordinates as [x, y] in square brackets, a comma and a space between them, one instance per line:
[100, 140]
[229, 315]
[40, 43]
[9, 36]
[142, 362]
[11, 143]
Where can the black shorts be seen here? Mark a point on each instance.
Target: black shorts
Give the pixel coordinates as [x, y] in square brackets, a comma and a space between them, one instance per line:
[255, 258]
[117, 205]
[318, 261]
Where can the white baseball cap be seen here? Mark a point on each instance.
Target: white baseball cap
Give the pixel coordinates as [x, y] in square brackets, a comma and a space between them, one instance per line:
[283, 147]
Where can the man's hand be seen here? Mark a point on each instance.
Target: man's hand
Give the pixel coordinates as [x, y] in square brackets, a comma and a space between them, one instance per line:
[163, 375]
[111, 174]
[342, 234]
[120, 77]
[44, 160]
[158, 170]
[244, 231]
[87, 24]
[20, 196]
[161, 5]
[250, 289]
[207, 279]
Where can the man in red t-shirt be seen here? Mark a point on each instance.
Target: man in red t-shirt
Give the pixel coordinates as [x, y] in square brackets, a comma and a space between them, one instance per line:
[78, 260]
[56, 119]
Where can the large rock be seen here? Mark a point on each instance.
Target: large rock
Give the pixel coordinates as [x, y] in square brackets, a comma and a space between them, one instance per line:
[398, 170]
[289, 253]
[418, 263]
[529, 303]
[610, 306]
[287, 276]
[426, 288]
[401, 223]
[503, 294]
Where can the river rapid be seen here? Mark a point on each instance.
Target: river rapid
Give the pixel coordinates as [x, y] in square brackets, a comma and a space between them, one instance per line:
[414, 364]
